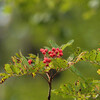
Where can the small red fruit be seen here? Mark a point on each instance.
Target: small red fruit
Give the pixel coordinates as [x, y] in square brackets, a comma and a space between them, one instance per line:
[54, 54]
[49, 60]
[29, 61]
[61, 54]
[53, 49]
[47, 65]
[44, 61]
[46, 50]
[60, 50]
[41, 50]
[49, 52]
[51, 55]
[57, 49]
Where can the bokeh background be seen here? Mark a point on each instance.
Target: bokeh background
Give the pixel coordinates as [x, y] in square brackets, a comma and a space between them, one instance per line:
[27, 25]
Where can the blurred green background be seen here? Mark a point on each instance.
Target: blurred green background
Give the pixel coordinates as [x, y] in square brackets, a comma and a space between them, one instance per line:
[27, 25]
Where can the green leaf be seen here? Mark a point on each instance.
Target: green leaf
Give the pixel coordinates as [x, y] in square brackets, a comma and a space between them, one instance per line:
[53, 44]
[49, 49]
[80, 56]
[67, 44]
[18, 55]
[3, 74]
[25, 62]
[78, 51]
[70, 58]
[4, 77]
[59, 63]
[92, 55]
[8, 69]
[98, 56]
[22, 68]
[32, 56]
[37, 60]
[15, 69]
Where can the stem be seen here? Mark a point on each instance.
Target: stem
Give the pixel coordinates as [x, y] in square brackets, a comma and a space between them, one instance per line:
[44, 77]
[49, 94]
[49, 83]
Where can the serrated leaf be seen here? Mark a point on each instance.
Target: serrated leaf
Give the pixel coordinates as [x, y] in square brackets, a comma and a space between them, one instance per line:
[8, 69]
[22, 68]
[67, 44]
[59, 63]
[25, 62]
[53, 44]
[15, 69]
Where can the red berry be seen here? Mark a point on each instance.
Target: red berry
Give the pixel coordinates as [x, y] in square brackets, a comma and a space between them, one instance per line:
[49, 60]
[60, 50]
[58, 56]
[49, 52]
[44, 61]
[53, 49]
[61, 54]
[57, 49]
[54, 54]
[29, 61]
[47, 65]
[46, 50]
[41, 50]
[51, 55]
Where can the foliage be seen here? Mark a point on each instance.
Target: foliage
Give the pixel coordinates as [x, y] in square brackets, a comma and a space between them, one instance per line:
[81, 90]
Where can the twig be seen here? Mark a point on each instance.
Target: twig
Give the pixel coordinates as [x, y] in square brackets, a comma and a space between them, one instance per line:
[44, 77]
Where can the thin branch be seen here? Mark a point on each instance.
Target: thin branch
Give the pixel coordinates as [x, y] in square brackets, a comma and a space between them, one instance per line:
[44, 77]
[54, 75]
[48, 77]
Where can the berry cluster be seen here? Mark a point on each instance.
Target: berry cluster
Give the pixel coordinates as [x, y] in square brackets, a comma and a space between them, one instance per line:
[54, 53]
